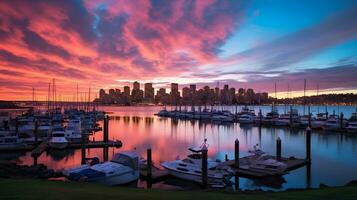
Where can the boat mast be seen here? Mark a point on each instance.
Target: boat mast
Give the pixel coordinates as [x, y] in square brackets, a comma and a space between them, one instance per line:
[304, 95]
[48, 97]
[318, 99]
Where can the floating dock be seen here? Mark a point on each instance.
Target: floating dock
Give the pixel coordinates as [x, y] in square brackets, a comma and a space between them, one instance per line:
[292, 163]
[38, 149]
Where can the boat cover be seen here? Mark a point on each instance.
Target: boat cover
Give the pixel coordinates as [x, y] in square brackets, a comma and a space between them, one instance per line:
[88, 173]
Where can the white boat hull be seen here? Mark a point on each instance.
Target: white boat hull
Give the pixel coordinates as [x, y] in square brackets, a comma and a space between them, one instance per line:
[58, 145]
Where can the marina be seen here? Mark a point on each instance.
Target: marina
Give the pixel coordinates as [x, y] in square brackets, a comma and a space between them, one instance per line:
[142, 121]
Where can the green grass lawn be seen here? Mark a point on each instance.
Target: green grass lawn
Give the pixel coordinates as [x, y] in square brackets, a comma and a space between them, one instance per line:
[42, 189]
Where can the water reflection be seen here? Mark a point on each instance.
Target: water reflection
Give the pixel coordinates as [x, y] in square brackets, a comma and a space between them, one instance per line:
[334, 159]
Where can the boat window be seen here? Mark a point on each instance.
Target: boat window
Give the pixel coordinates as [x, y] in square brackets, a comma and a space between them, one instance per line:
[187, 161]
[126, 160]
[181, 164]
[195, 156]
[198, 172]
[182, 169]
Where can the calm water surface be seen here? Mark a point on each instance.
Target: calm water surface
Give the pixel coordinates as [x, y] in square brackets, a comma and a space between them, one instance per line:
[334, 155]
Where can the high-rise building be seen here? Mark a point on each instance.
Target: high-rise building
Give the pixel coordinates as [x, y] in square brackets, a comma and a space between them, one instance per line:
[102, 94]
[175, 94]
[137, 95]
[186, 95]
[149, 93]
[127, 91]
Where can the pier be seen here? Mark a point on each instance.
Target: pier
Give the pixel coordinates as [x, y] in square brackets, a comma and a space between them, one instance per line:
[77, 145]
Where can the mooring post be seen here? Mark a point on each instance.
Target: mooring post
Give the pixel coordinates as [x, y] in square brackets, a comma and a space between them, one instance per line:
[341, 121]
[236, 153]
[106, 129]
[226, 157]
[308, 144]
[83, 145]
[204, 166]
[309, 118]
[278, 149]
[105, 152]
[149, 167]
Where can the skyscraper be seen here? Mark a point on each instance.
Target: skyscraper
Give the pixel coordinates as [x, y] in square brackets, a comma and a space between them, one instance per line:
[149, 93]
[175, 94]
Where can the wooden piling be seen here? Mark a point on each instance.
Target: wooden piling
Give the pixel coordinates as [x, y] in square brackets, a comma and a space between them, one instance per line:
[341, 121]
[204, 166]
[149, 168]
[236, 153]
[278, 149]
[308, 143]
[106, 129]
[226, 157]
[309, 118]
[83, 147]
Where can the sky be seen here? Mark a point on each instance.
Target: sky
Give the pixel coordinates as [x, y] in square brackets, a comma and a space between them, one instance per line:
[108, 44]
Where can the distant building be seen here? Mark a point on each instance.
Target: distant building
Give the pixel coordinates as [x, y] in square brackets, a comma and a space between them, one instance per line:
[149, 93]
[137, 95]
[175, 94]
[190, 95]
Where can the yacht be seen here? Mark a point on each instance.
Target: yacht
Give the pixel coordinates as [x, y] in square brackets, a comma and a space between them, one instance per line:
[270, 118]
[334, 123]
[11, 141]
[73, 130]
[58, 139]
[352, 123]
[284, 119]
[190, 168]
[122, 169]
[247, 119]
[260, 161]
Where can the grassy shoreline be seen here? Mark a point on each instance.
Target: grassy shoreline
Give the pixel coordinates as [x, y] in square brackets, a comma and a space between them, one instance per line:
[43, 189]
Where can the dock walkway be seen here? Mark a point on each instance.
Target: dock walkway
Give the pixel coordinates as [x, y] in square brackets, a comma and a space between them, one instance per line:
[292, 163]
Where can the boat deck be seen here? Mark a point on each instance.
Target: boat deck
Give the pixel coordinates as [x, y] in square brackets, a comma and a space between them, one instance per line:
[292, 163]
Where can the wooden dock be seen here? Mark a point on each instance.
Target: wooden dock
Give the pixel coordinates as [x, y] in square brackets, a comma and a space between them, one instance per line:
[37, 150]
[292, 163]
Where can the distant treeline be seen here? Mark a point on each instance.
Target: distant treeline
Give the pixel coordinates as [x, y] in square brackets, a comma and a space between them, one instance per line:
[344, 99]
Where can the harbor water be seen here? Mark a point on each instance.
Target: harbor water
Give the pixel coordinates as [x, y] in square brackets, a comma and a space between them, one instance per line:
[334, 155]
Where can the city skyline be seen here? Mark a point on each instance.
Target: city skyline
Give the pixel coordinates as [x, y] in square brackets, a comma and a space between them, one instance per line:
[110, 44]
[188, 95]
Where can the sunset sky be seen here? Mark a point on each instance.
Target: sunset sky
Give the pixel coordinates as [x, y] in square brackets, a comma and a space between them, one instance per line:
[109, 44]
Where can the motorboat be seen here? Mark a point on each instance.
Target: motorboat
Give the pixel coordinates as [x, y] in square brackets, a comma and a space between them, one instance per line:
[222, 116]
[190, 168]
[163, 113]
[73, 130]
[334, 123]
[247, 119]
[261, 161]
[290, 119]
[270, 118]
[352, 123]
[122, 169]
[58, 139]
[11, 141]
